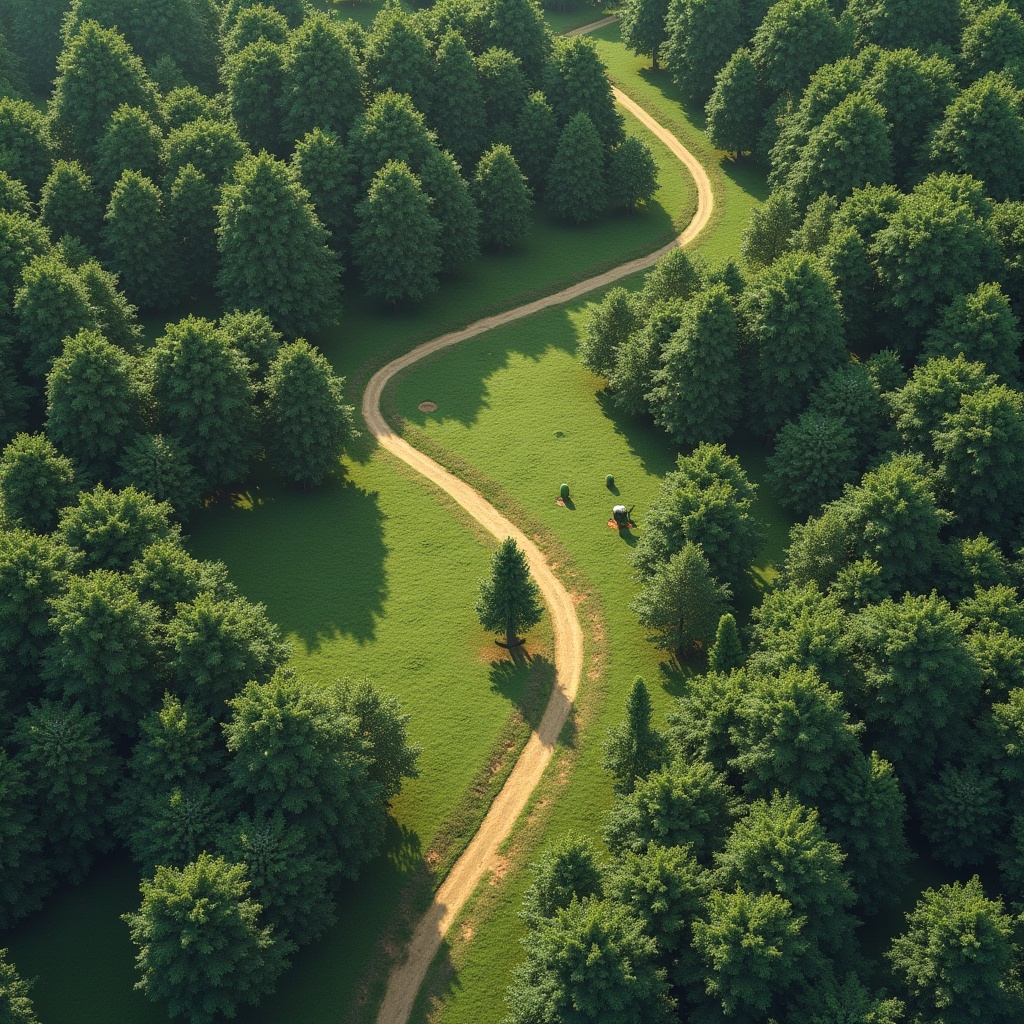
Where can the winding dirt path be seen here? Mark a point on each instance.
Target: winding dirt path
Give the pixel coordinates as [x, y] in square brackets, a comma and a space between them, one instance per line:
[480, 856]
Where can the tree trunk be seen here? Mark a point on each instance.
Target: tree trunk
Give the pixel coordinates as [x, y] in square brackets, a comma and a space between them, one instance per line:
[654, 61]
[513, 643]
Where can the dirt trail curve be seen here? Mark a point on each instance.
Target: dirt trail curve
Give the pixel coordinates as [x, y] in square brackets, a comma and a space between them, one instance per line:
[480, 855]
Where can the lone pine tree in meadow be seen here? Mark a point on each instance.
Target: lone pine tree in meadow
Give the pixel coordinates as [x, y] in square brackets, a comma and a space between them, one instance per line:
[509, 599]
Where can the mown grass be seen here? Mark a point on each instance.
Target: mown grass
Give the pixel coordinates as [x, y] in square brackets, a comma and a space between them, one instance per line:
[373, 575]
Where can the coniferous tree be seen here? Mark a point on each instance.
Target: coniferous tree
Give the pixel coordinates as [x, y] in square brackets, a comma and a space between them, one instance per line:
[74, 768]
[982, 134]
[791, 318]
[306, 421]
[577, 83]
[36, 482]
[294, 278]
[956, 956]
[322, 84]
[534, 139]
[726, 652]
[115, 315]
[696, 393]
[71, 205]
[253, 335]
[138, 238]
[97, 72]
[457, 108]
[396, 56]
[509, 599]
[51, 305]
[21, 240]
[159, 466]
[203, 397]
[213, 147]
[255, 79]
[201, 947]
[518, 26]
[453, 208]
[397, 242]
[104, 649]
[503, 198]
[735, 110]
[632, 174]
[567, 872]
[576, 182]
[191, 202]
[980, 326]
[681, 602]
[25, 147]
[634, 748]
[504, 87]
[131, 142]
[391, 128]
[324, 169]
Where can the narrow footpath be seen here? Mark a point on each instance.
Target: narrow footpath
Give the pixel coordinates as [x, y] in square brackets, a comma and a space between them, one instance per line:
[480, 856]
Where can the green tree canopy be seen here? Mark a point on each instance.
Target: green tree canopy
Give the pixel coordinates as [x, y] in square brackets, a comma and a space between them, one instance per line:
[576, 180]
[22, 860]
[213, 147]
[159, 466]
[93, 403]
[457, 110]
[793, 324]
[956, 956]
[982, 326]
[132, 142]
[397, 241]
[915, 23]
[396, 56]
[701, 35]
[25, 145]
[635, 747]
[632, 174]
[681, 602]
[794, 40]
[735, 110]
[273, 249]
[97, 72]
[138, 238]
[306, 421]
[203, 395]
[74, 768]
[15, 994]
[576, 82]
[708, 500]
[503, 197]
[192, 219]
[700, 361]
[509, 601]
[255, 78]
[36, 482]
[51, 305]
[568, 871]
[555, 979]
[643, 27]
[982, 134]
[201, 947]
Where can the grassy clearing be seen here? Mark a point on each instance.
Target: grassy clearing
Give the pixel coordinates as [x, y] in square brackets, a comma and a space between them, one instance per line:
[374, 575]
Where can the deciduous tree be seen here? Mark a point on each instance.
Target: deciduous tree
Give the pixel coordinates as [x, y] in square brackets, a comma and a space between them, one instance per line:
[36, 482]
[503, 197]
[576, 180]
[632, 174]
[643, 27]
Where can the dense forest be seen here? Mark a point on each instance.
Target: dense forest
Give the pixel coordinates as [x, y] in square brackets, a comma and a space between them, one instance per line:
[870, 714]
[253, 158]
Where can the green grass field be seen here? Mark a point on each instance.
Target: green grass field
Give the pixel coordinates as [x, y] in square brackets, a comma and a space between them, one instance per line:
[373, 575]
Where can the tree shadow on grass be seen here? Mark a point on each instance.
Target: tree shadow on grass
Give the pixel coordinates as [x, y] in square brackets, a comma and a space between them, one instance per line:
[646, 441]
[525, 683]
[676, 674]
[316, 559]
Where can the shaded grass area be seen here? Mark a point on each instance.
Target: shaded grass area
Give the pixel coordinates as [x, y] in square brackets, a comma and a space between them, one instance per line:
[373, 575]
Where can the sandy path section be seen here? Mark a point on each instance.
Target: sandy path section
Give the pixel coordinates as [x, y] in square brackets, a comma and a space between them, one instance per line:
[480, 856]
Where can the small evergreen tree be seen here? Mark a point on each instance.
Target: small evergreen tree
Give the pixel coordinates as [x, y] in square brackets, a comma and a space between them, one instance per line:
[635, 748]
[306, 420]
[138, 238]
[273, 249]
[576, 182]
[503, 197]
[397, 242]
[509, 599]
[632, 174]
[681, 602]
[726, 653]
